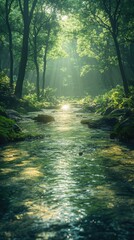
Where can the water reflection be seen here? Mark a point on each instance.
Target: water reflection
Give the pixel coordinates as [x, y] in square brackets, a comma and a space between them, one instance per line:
[49, 191]
[65, 107]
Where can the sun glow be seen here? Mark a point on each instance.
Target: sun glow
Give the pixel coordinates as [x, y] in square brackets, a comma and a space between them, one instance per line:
[64, 17]
[65, 107]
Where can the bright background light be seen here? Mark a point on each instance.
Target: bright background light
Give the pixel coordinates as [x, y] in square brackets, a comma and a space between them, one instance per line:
[65, 107]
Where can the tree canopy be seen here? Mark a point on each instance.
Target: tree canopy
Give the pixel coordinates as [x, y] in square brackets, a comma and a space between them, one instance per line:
[36, 34]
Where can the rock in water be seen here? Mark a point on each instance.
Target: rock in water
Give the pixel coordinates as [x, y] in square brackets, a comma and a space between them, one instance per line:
[44, 118]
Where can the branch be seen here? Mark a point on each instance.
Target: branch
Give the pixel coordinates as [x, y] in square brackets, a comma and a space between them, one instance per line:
[106, 8]
[21, 8]
[116, 10]
[32, 9]
[10, 4]
[102, 23]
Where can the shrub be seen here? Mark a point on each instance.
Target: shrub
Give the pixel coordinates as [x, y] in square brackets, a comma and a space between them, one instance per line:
[114, 99]
[4, 84]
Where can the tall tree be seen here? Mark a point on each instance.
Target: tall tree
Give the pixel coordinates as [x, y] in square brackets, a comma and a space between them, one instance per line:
[8, 5]
[52, 29]
[36, 43]
[27, 9]
[108, 15]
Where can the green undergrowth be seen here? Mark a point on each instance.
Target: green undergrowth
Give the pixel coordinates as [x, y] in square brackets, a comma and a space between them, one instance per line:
[7, 131]
[114, 99]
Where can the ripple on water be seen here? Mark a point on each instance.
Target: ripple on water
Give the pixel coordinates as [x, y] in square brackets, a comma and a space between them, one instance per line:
[50, 191]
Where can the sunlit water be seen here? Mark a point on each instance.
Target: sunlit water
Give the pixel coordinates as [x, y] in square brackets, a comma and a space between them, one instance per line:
[73, 184]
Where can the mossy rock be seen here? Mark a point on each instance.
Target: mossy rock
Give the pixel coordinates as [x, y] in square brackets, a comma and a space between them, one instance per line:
[44, 118]
[103, 122]
[9, 131]
[6, 129]
[124, 131]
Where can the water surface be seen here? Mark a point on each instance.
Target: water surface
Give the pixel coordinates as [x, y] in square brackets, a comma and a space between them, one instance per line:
[75, 183]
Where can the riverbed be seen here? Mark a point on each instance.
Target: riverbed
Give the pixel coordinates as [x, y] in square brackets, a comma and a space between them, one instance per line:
[74, 183]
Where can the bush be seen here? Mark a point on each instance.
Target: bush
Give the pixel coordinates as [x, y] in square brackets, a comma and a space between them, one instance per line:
[47, 100]
[114, 99]
[4, 84]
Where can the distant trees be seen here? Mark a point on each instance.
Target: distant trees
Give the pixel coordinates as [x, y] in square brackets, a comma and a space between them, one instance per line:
[44, 28]
[103, 31]
[31, 26]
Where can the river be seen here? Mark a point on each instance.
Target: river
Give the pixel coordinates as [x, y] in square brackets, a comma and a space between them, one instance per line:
[75, 183]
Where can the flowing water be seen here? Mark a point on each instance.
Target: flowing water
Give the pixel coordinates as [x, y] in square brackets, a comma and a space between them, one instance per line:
[75, 183]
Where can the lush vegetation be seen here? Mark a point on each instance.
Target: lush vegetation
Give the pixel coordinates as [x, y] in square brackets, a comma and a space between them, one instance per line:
[70, 45]
[115, 99]
[76, 49]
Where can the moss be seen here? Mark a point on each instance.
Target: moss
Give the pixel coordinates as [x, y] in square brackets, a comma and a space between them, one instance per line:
[124, 131]
[100, 123]
[6, 129]
[9, 133]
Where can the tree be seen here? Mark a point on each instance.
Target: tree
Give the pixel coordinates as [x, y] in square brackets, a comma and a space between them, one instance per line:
[8, 5]
[52, 29]
[37, 26]
[108, 15]
[27, 10]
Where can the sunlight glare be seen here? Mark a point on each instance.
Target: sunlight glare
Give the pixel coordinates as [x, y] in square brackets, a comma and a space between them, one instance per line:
[65, 107]
[64, 17]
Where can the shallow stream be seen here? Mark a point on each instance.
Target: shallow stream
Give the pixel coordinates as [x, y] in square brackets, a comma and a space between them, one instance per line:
[74, 184]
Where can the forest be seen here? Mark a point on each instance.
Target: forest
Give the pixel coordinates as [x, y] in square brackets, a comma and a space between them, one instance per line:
[52, 50]
[66, 119]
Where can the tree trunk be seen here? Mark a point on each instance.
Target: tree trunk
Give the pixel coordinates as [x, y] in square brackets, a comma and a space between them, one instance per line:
[44, 71]
[45, 61]
[37, 77]
[23, 62]
[27, 16]
[10, 43]
[1, 48]
[121, 67]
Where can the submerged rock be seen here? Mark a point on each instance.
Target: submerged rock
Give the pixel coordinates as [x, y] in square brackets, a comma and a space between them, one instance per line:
[44, 118]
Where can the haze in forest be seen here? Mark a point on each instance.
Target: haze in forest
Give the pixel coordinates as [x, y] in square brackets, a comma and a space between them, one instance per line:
[74, 47]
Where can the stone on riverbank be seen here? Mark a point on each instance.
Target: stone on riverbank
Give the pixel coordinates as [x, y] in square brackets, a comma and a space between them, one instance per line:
[124, 131]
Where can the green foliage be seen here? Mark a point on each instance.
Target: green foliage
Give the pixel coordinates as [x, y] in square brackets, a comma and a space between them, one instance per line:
[32, 98]
[86, 101]
[29, 88]
[114, 99]
[48, 99]
[6, 129]
[4, 83]
[49, 94]
[2, 111]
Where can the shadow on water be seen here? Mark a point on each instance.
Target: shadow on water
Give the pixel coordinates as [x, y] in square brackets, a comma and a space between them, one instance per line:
[49, 191]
